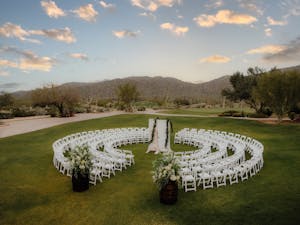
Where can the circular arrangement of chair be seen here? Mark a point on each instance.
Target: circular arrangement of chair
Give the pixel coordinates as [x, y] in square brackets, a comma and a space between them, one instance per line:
[104, 146]
[209, 166]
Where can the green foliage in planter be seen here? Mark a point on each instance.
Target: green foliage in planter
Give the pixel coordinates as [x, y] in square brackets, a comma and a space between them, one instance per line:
[165, 168]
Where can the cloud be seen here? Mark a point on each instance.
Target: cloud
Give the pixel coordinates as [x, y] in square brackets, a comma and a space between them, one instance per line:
[273, 22]
[79, 56]
[267, 49]
[51, 9]
[87, 13]
[289, 53]
[7, 63]
[215, 59]
[125, 33]
[27, 61]
[224, 17]
[148, 14]
[251, 6]
[9, 85]
[153, 5]
[10, 30]
[268, 32]
[64, 35]
[177, 30]
[107, 5]
[214, 4]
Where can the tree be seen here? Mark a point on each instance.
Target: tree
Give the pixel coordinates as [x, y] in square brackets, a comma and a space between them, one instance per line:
[6, 100]
[280, 90]
[127, 95]
[242, 87]
[64, 99]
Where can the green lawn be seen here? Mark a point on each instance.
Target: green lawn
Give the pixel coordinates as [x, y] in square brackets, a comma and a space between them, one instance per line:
[204, 111]
[32, 191]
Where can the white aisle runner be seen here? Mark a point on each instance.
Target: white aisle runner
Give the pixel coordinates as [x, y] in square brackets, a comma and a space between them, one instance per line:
[161, 133]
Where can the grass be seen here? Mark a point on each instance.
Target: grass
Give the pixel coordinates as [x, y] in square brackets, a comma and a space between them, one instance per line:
[204, 111]
[32, 191]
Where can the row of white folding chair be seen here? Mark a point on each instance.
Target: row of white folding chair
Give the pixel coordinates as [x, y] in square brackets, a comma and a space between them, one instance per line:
[71, 140]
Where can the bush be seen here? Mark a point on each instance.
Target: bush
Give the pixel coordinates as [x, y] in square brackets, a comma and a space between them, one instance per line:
[266, 111]
[229, 113]
[257, 115]
[141, 108]
[6, 115]
[238, 114]
[52, 111]
[40, 111]
[23, 112]
[181, 101]
[79, 109]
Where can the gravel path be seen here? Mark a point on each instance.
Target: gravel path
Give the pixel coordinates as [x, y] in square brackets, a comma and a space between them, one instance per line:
[10, 127]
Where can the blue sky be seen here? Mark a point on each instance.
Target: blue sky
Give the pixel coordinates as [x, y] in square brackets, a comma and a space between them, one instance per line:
[43, 42]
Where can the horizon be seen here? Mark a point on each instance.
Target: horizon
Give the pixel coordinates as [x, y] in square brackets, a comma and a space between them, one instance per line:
[60, 42]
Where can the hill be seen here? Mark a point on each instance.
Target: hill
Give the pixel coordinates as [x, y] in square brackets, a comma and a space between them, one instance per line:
[152, 88]
[155, 87]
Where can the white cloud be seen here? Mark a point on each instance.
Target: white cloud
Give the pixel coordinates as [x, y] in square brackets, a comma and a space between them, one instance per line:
[27, 61]
[224, 17]
[125, 33]
[87, 13]
[64, 35]
[51, 9]
[251, 6]
[7, 63]
[290, 53]
[79, 56]
[177, 30]
[268, 32]
[273, 22]
[214, 4]
[35, 62]
[215, 59]
[10, 30]
[153, 5]
[148, 14]
[107, 5]
[267, 49]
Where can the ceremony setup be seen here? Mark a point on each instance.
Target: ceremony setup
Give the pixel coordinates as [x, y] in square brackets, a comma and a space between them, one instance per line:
[93, 155]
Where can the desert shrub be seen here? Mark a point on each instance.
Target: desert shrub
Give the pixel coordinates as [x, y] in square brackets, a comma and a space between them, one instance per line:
[238, 114]
[141, 108]
[52, 111]
[40, 111]
[181, 101]
[79, 109]
[257, 115]
[229, 113]
[23, 112]
[6, 114]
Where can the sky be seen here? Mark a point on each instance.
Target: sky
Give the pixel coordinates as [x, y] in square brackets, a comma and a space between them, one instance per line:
[58, 41]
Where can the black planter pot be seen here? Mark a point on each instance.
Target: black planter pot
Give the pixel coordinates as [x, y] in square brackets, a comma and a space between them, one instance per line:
[168, 194]
[80, 183]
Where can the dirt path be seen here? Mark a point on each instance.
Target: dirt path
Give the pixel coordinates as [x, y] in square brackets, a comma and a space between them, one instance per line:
[15, 126]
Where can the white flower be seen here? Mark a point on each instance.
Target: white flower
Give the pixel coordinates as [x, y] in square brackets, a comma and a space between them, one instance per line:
[81, 167]
[173, 178]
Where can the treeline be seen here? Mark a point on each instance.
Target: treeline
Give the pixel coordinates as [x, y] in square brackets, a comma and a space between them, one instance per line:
[275, 91]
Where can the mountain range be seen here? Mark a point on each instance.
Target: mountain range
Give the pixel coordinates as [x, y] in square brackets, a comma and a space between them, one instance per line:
[152, 88]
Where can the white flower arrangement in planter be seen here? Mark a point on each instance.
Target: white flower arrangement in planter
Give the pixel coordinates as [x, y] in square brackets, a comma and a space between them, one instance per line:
[80, 159]
[165, 169]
